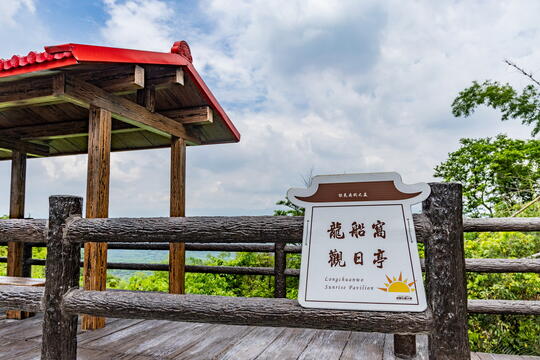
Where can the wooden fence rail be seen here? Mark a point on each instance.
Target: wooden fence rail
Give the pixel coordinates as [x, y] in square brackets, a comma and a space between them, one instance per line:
[34, 230]
[471, 265]
[440, 227]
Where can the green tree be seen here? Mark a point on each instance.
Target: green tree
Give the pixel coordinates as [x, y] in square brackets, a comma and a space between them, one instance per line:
[496, 173]
[512, 334]
[292, 209]
[513, 104]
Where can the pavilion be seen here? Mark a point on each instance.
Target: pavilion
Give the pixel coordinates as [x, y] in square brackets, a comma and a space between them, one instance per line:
[77, 99]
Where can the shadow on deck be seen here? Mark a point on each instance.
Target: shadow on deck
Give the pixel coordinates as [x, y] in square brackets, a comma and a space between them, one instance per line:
[153, 339]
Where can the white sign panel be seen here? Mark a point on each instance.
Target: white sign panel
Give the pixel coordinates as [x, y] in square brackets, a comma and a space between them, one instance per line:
[359, 249]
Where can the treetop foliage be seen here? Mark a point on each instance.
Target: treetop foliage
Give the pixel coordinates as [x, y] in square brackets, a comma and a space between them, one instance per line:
[496, 173]
[503, 97]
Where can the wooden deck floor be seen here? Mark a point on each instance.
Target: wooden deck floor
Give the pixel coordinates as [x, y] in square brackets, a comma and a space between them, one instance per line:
[150, 339]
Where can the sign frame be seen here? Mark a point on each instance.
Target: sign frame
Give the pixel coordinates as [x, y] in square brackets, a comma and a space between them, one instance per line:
[348, 196]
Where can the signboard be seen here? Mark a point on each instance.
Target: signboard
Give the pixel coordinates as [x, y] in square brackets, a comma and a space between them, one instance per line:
[359, 247]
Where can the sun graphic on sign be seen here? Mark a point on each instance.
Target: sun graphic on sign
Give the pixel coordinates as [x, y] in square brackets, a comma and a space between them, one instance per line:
[400, 285]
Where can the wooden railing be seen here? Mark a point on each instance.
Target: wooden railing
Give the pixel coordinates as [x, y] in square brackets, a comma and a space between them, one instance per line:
[440, 227]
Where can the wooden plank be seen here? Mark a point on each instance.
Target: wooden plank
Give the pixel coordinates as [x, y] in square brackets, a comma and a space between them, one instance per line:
[177, 255]
[11, 349]
[114, 341]
[445, 269]
[29, 329]
[15, 261]
[167, 339]
[21, 281]
[217, 340]
[199, 115]
[326, 345]
[113, 325]
[289, 344]
[97, 204]
[85, 94]
[364, 346]
[251, 344]
[24, 147]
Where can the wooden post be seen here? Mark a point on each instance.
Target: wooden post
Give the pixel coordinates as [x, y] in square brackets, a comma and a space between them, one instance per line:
[62, 272]
[97, 204]
[280, 263]
[16, 250]
[445, 273]
[177, 256]
[405, 346]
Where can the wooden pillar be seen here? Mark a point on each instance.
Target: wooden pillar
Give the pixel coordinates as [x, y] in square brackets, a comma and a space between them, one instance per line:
[97, 204]
[445, 273]
[177, 256]
[16, 250]
[63, 269]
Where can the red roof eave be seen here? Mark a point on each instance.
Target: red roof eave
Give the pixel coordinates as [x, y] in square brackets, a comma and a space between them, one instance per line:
[69, 54]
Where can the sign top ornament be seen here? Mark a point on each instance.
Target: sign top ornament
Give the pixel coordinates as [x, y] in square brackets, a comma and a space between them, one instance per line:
[359, 246]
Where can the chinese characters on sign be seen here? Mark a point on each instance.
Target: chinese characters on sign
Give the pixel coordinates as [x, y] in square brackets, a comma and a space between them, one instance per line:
[357, 231]
[359, 249]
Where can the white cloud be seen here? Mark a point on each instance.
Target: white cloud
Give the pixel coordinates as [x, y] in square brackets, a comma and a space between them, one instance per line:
[344, 86]
[10, 8]
[138, 24]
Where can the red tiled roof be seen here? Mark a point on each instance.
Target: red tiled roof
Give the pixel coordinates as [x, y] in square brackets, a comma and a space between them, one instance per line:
[31, 59]
[71, 54]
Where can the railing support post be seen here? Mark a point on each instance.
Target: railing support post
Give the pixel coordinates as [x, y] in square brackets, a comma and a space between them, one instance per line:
[62, 273]
[445, 273]
[405, 346]
[280, 263]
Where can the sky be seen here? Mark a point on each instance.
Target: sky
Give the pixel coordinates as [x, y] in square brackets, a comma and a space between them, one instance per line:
[314, 87]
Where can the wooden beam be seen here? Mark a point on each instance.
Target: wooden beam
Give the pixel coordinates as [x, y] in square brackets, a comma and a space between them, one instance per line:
[15, 261]
[97, 204]
[12, 144]
[118, 80]
[85, 94]
[64, 129]
[130, 78]
[27, 92]
[161, 78]
[200, 115]
[177, 255]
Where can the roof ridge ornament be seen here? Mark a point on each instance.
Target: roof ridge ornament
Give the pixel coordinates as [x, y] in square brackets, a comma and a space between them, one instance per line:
[182, 48]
